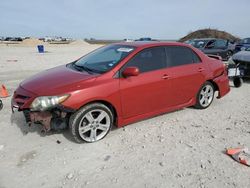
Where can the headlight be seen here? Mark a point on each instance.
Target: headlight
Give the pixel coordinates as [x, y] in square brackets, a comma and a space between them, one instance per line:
[45, 102]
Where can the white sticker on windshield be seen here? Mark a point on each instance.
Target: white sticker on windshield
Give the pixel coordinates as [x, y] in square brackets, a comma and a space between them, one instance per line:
[124, 49]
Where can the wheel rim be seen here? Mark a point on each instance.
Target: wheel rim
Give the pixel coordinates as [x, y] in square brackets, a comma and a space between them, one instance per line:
[94, 125]
[206, 95]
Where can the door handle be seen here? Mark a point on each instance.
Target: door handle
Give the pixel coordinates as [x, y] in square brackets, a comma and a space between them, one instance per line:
[201, 69]
[165, 77]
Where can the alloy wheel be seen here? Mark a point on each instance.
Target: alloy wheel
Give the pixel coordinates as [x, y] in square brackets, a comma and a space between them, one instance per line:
[206, 95]
[94, 125]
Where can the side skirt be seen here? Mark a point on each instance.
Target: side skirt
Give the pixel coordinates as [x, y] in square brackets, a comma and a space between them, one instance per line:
[122, 122]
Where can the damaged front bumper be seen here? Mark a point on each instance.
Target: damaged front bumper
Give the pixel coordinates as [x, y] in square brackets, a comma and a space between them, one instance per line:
[55, 118]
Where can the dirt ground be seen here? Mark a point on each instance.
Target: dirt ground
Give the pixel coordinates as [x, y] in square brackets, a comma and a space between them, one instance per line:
[179, 149]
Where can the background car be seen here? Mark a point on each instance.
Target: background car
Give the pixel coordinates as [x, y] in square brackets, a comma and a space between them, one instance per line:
[223, 48]
[19, 39]
[242, 45]
[243, 59]
[145, 39]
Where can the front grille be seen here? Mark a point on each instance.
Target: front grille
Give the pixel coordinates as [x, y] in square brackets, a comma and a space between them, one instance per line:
[22, 97]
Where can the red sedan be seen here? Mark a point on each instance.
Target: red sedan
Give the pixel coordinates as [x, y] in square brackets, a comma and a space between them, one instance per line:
[119, 84]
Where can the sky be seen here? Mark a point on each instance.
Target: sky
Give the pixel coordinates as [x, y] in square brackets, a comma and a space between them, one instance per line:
[120, 19]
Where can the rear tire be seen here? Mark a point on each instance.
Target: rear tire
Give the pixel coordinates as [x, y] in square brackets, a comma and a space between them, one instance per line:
[229, 54]
[91, 123]
[205, 96]
[237, 82]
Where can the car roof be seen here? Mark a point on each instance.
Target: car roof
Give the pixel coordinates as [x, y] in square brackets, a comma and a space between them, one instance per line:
[144, 44]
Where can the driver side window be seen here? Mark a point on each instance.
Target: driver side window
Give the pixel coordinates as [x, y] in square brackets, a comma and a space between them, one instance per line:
[148, 60]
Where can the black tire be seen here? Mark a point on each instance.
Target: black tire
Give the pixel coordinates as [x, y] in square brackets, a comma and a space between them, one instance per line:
[199, 104]
[76, 118]
[1, 105]
[229, 54]
[237, 82]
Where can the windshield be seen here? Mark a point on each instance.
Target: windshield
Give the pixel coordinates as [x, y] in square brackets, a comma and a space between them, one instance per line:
[245, 41]
[104, 59]
[197, 43]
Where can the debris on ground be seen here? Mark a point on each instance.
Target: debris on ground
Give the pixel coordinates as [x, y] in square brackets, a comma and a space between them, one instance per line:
[12, 60]
[241, 155]
[70, 176]
[107, 158]
[161, 164]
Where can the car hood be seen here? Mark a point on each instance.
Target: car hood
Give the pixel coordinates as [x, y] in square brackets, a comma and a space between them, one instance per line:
[242, 56]
[56, 81]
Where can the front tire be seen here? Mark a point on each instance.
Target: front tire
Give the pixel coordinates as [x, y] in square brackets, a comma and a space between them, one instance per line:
[91, 123]
[205, 96]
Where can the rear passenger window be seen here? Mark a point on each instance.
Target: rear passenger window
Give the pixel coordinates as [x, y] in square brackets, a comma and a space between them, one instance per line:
[149, 59]
[178, 55]
[196, 58]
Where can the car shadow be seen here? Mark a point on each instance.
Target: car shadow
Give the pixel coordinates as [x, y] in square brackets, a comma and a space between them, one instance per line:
[18, 120]
[246, 80]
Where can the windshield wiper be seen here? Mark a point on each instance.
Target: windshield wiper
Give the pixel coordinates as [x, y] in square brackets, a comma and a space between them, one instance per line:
[81, 68]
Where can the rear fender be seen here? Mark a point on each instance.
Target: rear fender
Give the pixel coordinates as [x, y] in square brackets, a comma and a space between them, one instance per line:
[223, 85]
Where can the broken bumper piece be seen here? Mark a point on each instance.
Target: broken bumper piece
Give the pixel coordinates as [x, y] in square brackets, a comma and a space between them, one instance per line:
[55, 119]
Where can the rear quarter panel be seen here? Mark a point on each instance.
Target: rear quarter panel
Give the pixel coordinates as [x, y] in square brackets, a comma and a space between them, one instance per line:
[219, 76]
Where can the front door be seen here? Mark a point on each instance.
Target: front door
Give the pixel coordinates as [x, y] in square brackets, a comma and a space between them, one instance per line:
[146, 92]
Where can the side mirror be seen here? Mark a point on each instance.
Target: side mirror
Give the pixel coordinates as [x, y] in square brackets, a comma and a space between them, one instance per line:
[130, 71]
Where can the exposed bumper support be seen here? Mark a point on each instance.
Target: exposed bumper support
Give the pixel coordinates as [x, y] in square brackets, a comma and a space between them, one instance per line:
[56, 118]
[42, 117]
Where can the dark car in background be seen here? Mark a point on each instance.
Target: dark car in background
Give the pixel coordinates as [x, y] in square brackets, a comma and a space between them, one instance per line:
[144, 39]
[220, 47]
[17, 39]
[242, 59]
[242, 45]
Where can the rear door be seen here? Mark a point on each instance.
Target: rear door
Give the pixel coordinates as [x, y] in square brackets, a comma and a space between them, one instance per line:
[186, 71]
[146, 92]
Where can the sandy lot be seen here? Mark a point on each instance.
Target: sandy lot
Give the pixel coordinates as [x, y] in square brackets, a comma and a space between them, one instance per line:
[178, 149]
